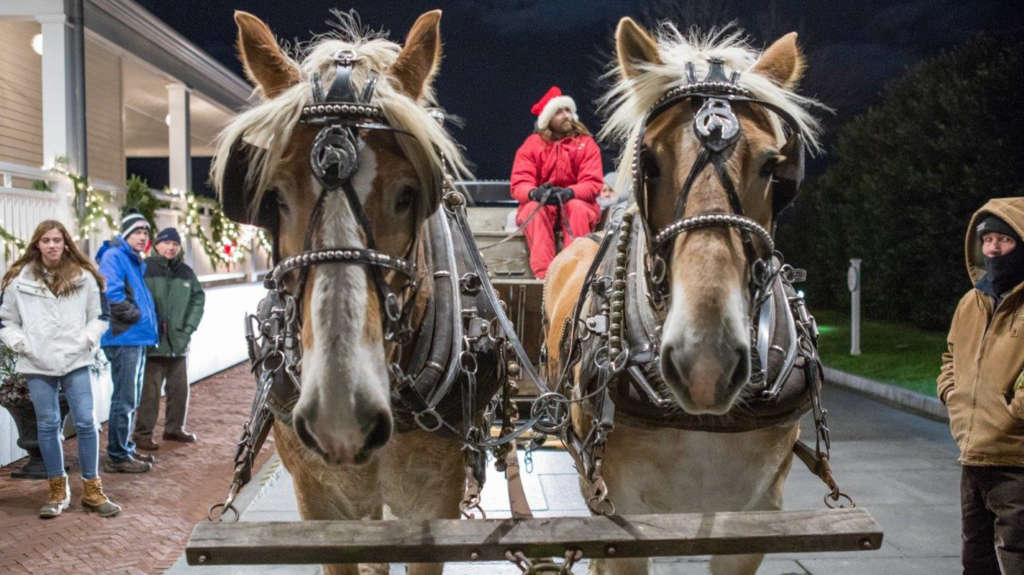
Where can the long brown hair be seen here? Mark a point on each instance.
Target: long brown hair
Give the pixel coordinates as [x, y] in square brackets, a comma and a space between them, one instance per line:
[72, 262]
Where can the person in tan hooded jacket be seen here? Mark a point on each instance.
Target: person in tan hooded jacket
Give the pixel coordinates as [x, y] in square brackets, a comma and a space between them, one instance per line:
[982, 386]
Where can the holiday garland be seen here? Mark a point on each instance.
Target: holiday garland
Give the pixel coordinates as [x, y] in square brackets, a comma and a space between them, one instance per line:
[95, 210]
[13, 245]
[228, 241]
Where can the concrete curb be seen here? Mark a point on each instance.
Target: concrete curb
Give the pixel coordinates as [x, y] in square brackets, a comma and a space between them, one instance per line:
[904, 399]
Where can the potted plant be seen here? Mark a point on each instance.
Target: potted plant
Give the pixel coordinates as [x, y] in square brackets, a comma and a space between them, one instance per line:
[14, 397]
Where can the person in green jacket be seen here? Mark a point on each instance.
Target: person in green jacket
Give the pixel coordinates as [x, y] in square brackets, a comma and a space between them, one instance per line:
[179, 306]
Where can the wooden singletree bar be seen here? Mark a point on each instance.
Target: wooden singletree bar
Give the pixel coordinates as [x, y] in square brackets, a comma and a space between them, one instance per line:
[290, 542]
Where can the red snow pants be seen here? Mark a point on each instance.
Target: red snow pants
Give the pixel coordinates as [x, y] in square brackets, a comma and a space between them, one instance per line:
[540, 232]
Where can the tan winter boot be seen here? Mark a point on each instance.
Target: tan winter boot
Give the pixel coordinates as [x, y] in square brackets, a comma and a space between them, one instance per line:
[60, 498]
[93, 498]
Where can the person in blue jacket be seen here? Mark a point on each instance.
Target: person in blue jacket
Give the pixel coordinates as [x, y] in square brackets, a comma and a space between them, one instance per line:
[133, 327]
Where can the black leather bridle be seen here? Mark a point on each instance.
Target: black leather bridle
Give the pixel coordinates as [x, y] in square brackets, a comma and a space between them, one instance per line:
[340, 113]
[718, 130]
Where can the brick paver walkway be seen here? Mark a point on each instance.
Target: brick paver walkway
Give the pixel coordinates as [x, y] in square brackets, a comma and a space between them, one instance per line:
[160, 507]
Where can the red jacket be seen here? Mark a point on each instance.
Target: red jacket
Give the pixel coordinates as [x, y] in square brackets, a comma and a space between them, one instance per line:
[572, 162]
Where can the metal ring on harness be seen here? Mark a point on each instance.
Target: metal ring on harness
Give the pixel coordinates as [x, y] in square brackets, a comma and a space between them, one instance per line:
[545, 411]
[467, 361]
[392, 308]
[267, 365]
[836, 496]
[428, 425]
[213, 515]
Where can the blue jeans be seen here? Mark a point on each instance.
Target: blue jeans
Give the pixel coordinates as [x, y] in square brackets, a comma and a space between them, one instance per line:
[127, 365]
[45, 392]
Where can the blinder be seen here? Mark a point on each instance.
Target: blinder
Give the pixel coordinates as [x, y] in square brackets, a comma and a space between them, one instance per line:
[788, 175]
[237, 193]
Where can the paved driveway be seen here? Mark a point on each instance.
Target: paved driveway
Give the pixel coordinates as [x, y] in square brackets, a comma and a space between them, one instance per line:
[900, 467]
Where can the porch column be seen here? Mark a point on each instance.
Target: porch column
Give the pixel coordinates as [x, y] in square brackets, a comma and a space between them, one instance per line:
[60, 131]
[56, 88]
[179, 138]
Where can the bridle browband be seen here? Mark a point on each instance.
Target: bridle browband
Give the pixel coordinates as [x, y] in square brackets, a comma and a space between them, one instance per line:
[718, 130]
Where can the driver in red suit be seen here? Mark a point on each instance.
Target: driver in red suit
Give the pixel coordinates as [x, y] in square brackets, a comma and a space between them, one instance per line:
[559, 164]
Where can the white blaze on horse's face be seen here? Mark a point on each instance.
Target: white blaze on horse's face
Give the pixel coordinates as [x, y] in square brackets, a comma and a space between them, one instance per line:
[705, 342]
[343, 413]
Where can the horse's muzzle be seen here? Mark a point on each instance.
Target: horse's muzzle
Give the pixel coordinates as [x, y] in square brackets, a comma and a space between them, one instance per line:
[343, 446]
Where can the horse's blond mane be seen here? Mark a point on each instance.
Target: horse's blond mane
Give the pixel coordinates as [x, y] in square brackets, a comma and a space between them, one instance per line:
[268, 125]
[629, 100]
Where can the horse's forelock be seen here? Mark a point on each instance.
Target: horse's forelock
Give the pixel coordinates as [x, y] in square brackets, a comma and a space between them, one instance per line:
[268, 125]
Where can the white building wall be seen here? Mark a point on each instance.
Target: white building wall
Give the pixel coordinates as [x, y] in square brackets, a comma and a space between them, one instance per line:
[21, 100]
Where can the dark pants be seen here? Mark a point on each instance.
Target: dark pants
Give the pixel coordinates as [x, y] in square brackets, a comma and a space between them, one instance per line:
[126, 366]
[158, 369]
[992, 517]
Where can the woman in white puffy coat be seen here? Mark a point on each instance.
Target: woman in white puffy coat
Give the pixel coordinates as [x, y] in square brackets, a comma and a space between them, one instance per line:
[52, 316]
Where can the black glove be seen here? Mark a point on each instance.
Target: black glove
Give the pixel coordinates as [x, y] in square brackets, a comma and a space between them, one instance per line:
[560, 196]
[537, 194]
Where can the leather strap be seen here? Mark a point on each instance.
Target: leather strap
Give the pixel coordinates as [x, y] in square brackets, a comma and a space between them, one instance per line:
[516, 496]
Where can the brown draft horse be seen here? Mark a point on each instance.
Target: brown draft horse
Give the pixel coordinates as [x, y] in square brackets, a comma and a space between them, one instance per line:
[705, 340]
[346, 461]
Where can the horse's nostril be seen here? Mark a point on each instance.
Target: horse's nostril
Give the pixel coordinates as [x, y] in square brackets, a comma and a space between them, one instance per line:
[305, 435]
[670, 365]
[380, 433]
[741, 371]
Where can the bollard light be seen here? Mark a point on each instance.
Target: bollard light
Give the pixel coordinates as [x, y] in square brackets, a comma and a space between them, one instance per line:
[853, 282]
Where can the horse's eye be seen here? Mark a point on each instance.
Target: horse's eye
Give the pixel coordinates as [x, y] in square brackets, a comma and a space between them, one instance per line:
[279, 200]
[768, 167]
[649, 164]
[406, 198]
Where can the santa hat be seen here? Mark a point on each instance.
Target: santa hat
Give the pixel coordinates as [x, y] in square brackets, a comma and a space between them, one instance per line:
[550, 104]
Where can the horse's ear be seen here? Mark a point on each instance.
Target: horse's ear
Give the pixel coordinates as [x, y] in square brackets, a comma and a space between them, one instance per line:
[265, 63]
[634, 47]
[421, 55]
[782, 62]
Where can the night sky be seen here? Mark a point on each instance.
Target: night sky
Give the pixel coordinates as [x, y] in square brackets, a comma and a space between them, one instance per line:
[501, 55]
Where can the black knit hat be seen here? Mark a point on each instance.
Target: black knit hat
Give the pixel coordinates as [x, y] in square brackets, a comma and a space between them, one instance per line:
[167, 235]
[132, 221]
[991, 223]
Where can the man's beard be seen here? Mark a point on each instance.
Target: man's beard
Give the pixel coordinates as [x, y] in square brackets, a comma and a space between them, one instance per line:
[562, 129]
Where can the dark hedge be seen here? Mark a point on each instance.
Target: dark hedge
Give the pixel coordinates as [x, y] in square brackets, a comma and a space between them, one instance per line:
[904, 179]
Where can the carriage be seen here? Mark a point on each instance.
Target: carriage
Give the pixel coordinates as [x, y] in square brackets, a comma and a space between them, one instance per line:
[408, 268]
